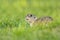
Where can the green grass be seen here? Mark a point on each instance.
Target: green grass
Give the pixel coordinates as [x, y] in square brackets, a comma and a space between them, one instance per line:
[14, 27]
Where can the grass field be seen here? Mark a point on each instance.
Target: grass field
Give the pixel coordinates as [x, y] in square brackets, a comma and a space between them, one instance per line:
[14, 27]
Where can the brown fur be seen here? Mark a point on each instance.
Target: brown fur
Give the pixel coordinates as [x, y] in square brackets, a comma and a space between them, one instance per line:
[31, 19]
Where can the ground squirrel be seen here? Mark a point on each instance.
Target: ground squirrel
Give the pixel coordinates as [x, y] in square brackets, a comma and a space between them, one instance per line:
[31, 19]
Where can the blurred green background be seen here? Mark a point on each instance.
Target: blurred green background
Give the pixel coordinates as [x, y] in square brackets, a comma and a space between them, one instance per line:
[14, 27]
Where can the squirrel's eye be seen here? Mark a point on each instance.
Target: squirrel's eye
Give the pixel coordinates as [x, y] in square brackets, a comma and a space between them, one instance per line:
[30, 15]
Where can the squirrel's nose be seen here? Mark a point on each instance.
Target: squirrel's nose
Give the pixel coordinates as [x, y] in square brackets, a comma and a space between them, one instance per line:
[27, 19]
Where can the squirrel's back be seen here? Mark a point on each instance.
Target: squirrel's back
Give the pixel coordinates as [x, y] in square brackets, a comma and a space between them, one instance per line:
[45, 19]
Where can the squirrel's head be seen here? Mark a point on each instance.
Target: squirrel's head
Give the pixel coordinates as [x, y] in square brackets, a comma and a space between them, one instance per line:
[30, 18]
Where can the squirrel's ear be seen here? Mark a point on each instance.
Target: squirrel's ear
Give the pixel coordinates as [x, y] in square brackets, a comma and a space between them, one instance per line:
[35, 17]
